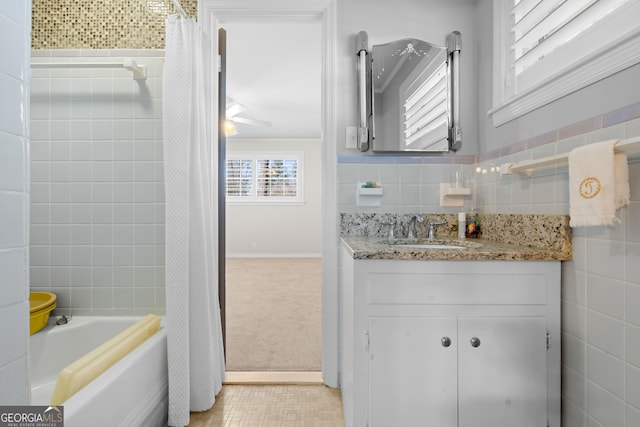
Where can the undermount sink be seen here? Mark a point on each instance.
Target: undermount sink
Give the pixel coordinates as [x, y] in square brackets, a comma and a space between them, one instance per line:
[431, 246]
[412, 243]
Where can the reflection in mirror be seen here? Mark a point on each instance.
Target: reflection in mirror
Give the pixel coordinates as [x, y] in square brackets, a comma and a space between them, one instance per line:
[408, 95]
[410, 89]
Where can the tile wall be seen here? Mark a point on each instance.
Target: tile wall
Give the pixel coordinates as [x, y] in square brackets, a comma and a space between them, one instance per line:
[97, 205]
[15, 26]
[410, 184]
[600, 287]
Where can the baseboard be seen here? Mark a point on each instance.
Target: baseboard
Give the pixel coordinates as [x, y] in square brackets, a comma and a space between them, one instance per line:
[268, 377]
[272, 255]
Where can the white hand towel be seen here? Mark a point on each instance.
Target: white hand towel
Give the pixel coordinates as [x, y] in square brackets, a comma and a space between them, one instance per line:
[598, 184]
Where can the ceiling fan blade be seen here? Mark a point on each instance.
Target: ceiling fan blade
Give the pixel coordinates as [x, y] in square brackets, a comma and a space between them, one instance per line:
[234, 110]
[252, 122]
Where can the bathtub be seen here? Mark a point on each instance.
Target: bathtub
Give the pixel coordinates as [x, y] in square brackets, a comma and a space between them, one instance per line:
[132, 392]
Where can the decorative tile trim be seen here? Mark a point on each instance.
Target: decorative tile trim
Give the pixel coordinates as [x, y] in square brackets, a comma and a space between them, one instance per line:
[96, 24]
[405, 160]
[602, 121]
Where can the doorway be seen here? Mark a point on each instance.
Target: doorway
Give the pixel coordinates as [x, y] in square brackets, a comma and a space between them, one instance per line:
[273, 239]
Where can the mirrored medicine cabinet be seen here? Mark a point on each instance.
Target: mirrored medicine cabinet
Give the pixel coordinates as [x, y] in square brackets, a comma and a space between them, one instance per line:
[408, 95]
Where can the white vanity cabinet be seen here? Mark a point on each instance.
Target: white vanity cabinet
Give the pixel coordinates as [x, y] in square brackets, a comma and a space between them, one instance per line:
[450, 343]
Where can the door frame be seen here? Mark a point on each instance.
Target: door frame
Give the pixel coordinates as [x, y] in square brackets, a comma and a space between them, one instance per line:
[208, 12]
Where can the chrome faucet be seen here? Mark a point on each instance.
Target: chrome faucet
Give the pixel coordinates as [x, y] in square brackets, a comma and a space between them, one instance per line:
[411, 232]
[432, 229]
[63, 320]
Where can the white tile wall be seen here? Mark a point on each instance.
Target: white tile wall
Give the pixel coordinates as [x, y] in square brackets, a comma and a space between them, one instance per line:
[97, 202]
[601, 286]
[15, 25]
[408, 187]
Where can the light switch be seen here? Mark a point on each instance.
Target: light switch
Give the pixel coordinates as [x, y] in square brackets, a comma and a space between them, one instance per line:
[352, 138]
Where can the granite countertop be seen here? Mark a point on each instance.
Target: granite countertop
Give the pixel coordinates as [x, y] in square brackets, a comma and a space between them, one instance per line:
[505, 237]
[476, 249]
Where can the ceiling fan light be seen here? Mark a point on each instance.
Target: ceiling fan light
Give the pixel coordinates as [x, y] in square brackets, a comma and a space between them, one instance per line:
[230, 128]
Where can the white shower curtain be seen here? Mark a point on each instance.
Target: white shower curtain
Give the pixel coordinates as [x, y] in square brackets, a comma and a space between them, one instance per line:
[194, 332]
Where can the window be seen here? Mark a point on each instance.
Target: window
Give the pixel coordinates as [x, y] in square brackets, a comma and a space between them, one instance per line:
[265, 178]
[546, 49]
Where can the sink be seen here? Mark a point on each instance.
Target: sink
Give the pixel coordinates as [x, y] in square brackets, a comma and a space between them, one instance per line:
[431, 246]
[449, 244]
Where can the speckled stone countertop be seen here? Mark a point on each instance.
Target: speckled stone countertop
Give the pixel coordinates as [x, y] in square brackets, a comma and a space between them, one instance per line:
[504, 237]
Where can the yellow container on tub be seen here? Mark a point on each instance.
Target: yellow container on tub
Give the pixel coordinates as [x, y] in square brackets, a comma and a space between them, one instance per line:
[41, 304]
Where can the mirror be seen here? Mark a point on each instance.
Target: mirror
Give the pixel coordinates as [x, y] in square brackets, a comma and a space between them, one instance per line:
[411, 104]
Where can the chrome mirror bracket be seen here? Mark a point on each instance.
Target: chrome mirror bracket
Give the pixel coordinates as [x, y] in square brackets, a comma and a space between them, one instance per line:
[363, 66]
[454, 45]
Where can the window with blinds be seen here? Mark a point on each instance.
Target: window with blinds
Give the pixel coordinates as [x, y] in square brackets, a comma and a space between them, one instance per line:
[264, 178]
[545, 49]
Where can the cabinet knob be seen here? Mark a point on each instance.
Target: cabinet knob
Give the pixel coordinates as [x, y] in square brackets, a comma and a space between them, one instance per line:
[475, 342]
[446, 341]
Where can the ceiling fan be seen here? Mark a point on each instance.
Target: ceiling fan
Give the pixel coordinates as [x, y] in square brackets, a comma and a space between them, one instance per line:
[231, 116]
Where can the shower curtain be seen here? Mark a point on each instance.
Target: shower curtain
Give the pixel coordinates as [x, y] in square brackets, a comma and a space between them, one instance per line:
[194, 333]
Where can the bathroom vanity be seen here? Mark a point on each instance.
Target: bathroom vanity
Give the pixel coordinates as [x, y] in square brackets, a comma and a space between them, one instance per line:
[450, 337]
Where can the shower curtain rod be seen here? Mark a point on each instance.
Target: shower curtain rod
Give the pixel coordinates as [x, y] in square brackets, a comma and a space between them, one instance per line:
[139, 71]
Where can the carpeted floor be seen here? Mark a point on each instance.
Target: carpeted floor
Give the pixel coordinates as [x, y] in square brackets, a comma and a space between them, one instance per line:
[273, 314]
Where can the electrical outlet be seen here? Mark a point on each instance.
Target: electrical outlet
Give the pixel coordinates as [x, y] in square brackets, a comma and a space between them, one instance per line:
[351, 137]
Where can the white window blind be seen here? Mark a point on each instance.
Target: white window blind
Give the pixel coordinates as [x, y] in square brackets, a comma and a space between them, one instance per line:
[239, 177]
[265, 178]
[545, 49]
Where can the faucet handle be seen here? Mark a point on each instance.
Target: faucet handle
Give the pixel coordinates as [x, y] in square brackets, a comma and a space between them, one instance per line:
[432, 228]
[391, 227]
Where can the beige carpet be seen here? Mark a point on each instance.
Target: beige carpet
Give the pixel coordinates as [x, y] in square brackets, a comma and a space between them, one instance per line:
[273, 314]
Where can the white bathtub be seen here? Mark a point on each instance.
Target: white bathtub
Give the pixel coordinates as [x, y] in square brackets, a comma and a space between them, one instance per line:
[133, 392]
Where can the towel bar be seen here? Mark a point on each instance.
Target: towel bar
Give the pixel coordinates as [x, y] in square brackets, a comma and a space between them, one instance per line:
[526, 167]
[139, 71]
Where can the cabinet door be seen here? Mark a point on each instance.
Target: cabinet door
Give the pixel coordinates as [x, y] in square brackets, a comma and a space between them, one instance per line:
[502, 380]
[412, 375]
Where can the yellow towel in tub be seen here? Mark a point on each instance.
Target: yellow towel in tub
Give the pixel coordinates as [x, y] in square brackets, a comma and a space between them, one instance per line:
[84, 370]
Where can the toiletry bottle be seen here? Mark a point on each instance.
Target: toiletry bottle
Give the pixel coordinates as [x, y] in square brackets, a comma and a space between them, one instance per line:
[473, 228]
[462, 225]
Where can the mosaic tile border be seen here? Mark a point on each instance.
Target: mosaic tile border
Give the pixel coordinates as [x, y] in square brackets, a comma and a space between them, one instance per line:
[96, 24]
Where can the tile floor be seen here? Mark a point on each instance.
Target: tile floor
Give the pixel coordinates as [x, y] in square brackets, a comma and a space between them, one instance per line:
[273, 406]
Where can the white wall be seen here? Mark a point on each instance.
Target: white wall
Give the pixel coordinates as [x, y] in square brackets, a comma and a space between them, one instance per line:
[271, 230]
[601, 286]
[15, 31]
